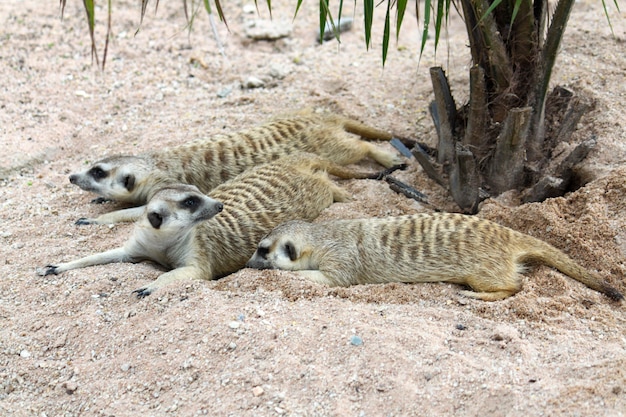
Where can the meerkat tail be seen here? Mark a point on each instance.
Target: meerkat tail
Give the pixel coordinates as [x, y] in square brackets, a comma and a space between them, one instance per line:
[555, 258]
[365, 131]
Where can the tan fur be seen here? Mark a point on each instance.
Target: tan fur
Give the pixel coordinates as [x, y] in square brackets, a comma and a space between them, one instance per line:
[183, 240]
[207, 163]
[434, 247]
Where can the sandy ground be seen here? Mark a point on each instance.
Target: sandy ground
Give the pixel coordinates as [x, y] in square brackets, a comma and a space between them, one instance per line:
[266, 343]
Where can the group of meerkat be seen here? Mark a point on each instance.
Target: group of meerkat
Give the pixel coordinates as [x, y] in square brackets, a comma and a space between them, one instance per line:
[213, 206]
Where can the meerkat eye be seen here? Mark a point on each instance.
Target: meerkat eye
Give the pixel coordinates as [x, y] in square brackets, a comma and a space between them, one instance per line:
[290, 250]
[129, 182]
[191, 203]
[262, 251]
[98, 173]
[155, 219]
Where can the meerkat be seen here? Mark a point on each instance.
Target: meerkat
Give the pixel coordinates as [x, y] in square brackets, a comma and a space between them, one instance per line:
[207, 163]
[437, 247]
[177, 230]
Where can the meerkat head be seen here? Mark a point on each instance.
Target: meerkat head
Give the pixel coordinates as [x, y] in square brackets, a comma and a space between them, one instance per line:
[286, 247]
[175, 209]
[121, 178]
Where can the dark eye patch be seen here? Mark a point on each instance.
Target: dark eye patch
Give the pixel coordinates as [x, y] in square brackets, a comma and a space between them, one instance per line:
[290, 250]
[129, 182]
[98, 173]
[190, 203]
[155, 219]
[262, 251]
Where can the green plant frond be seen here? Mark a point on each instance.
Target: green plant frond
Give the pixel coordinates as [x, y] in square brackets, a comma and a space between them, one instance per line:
[386, 33]
[269, 6]
[108, 36]
[400, 9]
[606, 13]
[185, 10]
[297, 8]
[195, 7]
[516, 7]
[325, 15]
[438, 20]
[368, 11]
[616, 5]
[91, 21]
[144, 6]
[493, 5]
[220, 12]
[427, 5]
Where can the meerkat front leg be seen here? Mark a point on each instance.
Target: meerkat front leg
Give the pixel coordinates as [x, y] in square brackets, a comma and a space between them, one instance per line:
[178, 274]
[110, 256]
[118, 216]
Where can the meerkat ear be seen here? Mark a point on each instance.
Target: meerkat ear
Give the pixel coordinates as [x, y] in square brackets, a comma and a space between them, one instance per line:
[129, 182]
[155, 219]
[290, 249]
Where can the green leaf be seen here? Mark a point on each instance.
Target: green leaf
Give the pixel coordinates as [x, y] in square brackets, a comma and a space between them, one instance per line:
[91, 21]
[386, 33]
[220, 13]
[516, 7]
[368, 9]
[144, 6]
[400, 9]
[606, 13]
[108, 36]
[438, 20]
[323, 14]
[297, 8]
[491, 8]
[427, 5]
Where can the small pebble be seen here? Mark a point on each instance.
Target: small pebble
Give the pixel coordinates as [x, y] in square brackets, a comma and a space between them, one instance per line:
[224, 92]
[234, 324]
[70, 387]
[356, 341]
[25, 354]
[257, 391]
[268, 30]
[253, 82]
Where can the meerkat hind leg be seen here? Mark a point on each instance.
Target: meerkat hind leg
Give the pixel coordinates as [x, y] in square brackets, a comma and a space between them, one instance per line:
[487, 289]
[383, 156]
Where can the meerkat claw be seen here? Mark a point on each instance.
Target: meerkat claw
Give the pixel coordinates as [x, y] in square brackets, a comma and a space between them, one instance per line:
[100, 200]
[47, 270]
[142, 292]
[83, 221]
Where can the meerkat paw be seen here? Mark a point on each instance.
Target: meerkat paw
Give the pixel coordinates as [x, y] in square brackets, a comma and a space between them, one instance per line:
[47, 270]
[84, 220]
[101, 200]
[143, 292]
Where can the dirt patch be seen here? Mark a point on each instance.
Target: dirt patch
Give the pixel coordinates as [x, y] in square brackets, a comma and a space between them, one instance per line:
[265, 342]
